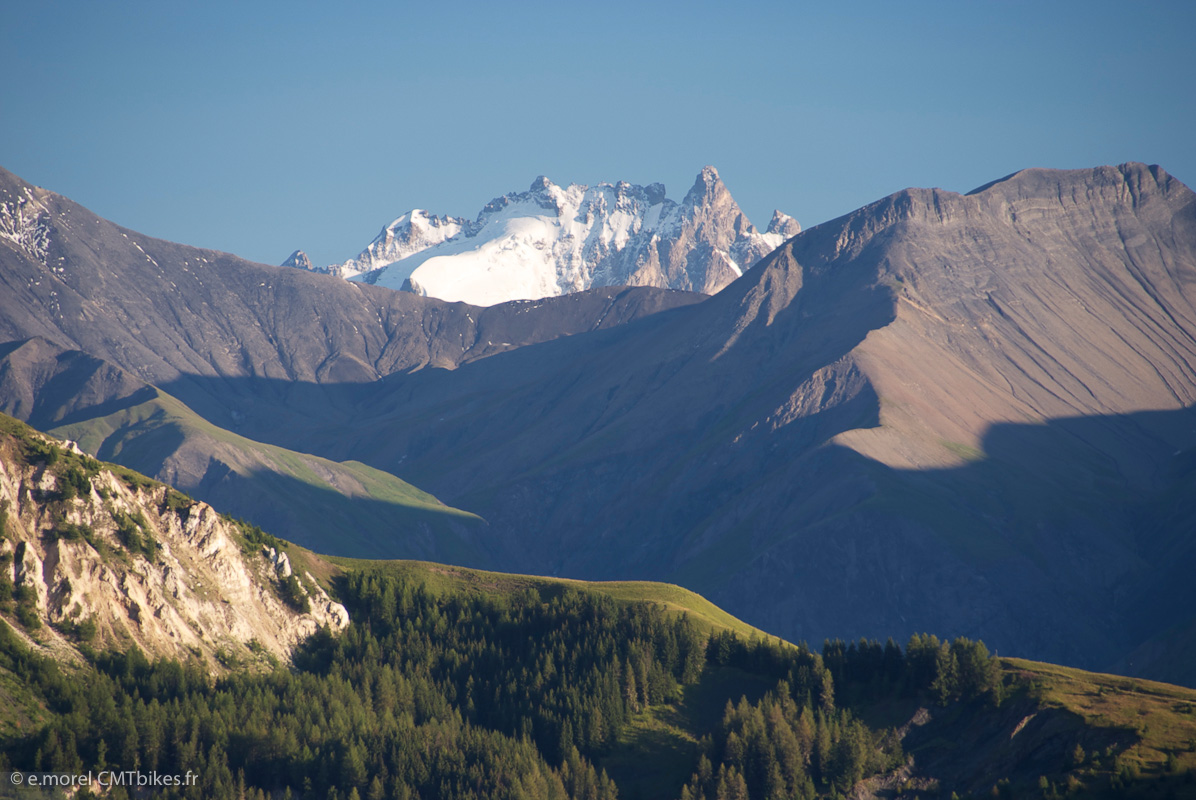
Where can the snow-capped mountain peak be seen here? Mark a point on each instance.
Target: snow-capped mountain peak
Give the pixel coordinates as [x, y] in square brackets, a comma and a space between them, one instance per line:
[411, 233]
[783, 225]
[552, 240]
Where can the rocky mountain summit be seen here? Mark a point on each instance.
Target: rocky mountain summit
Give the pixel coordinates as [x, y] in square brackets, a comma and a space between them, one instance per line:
[299, 260]
[553, 240]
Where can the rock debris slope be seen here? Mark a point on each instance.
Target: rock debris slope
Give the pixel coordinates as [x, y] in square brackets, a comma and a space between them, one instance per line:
[1039, 297]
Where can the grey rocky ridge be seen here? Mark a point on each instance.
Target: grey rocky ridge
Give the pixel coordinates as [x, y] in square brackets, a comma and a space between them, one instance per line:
[299, 260]
[967, 414]
[553, 240]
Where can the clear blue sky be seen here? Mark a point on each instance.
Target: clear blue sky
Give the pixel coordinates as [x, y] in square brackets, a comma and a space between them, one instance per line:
[259, 128]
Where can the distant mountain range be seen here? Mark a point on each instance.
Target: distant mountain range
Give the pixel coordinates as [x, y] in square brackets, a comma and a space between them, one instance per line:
[969, 414]
[553, 240]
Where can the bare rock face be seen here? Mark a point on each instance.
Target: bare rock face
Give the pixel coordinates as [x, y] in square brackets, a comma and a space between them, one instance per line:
[198, 591]
[710, 245]
[299, 260]
[280, 560]
[24, 222]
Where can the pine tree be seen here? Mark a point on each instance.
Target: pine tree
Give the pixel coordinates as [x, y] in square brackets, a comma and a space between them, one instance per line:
[826, 695]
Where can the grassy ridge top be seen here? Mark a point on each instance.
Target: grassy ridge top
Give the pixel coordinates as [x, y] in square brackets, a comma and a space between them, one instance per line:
[443, 579]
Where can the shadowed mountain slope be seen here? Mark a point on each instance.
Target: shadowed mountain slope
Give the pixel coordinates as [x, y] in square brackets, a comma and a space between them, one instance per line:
[311, 499]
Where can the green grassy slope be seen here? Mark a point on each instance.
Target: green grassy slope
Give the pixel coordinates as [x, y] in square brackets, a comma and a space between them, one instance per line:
[1059, 732]
[443, 579]
[326, 505]
[1157, 719]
